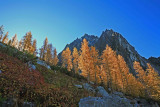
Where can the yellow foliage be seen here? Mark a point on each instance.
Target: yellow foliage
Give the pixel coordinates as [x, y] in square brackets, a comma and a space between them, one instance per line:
[75, 59]
[67, 59]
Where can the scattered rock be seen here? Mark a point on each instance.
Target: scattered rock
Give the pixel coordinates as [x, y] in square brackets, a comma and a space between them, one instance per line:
[10, 102]
[102, 102]
[102, 91]
[92, 102]
[31, 65]
[91, 82]
[43, 63]
[88, 87]
[116, 99]
[109, 89]
[28, 104]
[78, 86]
[55, 71]
[120, 94]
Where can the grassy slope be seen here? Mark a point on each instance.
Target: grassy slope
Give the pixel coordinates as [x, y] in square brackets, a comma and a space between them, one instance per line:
[65, 83]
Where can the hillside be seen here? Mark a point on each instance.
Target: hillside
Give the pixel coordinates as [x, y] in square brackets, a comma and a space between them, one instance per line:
[22, 84]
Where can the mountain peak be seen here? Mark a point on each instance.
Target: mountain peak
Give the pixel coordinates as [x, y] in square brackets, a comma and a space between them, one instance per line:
[87, 36]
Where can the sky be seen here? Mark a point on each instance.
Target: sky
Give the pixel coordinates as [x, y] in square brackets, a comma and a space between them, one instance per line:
[62, 21]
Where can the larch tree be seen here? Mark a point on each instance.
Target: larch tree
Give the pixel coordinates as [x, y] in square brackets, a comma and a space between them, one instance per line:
[34, 47]
[69, 59]
[14, 40]
[41, 53]
[49, 53]
[124, 71]
[9, 42]
[20, 45]
[27, 42]
[95, 61]
[45, 45]
[85, 62]
[142, 76]
[55, 57]
[64, 60]
[153, 83]
[134, 86]
[75, 59]
[104, 76]
[110, 65]
[5, 38]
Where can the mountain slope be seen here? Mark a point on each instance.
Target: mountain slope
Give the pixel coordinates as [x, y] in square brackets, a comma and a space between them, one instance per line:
[117, 42]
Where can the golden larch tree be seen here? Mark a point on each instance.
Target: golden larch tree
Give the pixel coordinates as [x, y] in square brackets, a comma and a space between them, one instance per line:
[41, 53]
[64, 60]
[85, 61]
[124, 72]
[142, 77]
[110, 65]
[69, 59]
[5, 38]
[49, 53]
[14, 40]
[9, 42]
[27, 42]
[45, 45]
[55, 57]
[75, 59]
[104, 76]
[34, 47]
[95, 64]
[153, 83]
[20, 45]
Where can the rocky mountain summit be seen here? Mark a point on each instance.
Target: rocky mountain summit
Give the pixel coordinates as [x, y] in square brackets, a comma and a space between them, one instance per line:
[118, 43]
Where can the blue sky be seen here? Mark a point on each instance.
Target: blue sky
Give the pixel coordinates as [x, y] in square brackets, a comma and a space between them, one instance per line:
[62, 21]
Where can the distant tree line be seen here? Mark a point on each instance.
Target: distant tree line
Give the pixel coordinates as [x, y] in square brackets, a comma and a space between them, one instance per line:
[47, 52]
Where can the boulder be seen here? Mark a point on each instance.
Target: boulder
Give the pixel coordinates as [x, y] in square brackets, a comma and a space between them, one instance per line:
[78, 86]
[31, 65]
[102, 91]
[92, 102]
[120, 94]
[88, 87]
[91, 82]
[28, 104]
[43, 64]
[103, 102]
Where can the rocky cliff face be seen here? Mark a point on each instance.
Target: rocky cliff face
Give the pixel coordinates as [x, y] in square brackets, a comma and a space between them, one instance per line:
[117, 42]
